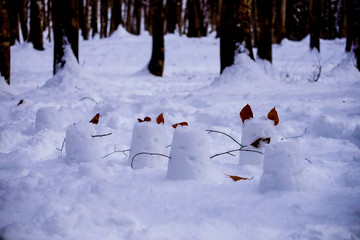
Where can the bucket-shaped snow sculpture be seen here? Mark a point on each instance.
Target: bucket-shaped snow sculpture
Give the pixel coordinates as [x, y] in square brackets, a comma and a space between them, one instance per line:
[256, 134]
[48, 118]
[80, 145]
[189, 155]
[283, 166]
[148, 137]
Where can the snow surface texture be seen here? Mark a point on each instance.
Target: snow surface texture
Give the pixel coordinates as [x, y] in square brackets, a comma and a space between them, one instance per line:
[254, 129]
[190, 155]
[148, 137]
[44, 195]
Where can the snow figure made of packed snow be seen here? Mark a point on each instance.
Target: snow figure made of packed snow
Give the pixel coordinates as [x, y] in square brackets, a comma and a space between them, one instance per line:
[283, 166]
[148, 137]
[256, 134]
[80, 145]
[190, 155]
[48, 118]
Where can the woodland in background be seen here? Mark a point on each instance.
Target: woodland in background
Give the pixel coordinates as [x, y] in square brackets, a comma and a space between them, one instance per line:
[240, 25]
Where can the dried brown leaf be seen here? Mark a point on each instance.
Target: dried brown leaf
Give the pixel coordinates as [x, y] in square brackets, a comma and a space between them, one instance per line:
[272, 115]
[246, 113]
[20, 102]
[181, 124]
[160, 119]
[95, 120]
[256, 144]
[147, 119]
[237, 178]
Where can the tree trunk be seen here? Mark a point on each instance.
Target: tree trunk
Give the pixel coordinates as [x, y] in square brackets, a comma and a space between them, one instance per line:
[171, 16]
[36, 19]
[156, 65]
[353, 36]
[104, 18]
[49, 18]
[297, 19]
[235, 36]
[137, 17]
[279, 17]
[194, 17]
[14, 21]
[4, 41]
[264, 26]
[66, 30]
[94, 17]
[116, 18]
[84, 18]
[315, 24]
[23, 16]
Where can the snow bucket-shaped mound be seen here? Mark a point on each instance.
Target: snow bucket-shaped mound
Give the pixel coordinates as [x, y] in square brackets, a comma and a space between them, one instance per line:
[148, 137]
[284, 164]
[48, 118]
[80, 146]
[256, 134]
[190, 155]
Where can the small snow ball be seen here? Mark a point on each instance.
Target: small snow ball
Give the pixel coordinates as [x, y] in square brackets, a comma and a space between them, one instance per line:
[283, 166]
[190, 155]
[148, 137]
[80, 146]
[48, 118]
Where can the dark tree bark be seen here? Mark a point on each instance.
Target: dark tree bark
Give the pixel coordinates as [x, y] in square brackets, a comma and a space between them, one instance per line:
[179, 15]
[297, 19]
[49, 18]
[66, 30]
[36, 29]
[235, 36]
[156, 65]
[315, 24]
[147, 16]
[171, 16]
[94, 17]
[279, 9]
[137, 17]
[264, 26]
[23, 16]
[4, 40]
[14, 21]
[84, 18]
[353, 22]
[104, 18]
[116, 18]
[194, 16]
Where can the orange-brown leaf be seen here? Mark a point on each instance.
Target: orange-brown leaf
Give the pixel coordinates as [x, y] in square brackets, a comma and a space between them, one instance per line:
[256, 144]
[160, 119]
[95, 120]
[140, 120]
[147, 119]
[181, 124]
[272, 115]
[20, 102]
[246, 113]
[237, 178]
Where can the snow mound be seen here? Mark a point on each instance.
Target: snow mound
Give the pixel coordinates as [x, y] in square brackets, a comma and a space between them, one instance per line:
[190, 155]
[148, 137]
[324, 126]
[80, 144]
[284, 163]
[243, 69]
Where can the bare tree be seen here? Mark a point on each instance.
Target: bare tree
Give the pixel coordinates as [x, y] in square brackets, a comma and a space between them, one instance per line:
[194, 17]
[84, 18]
[156, 65]
[4, 41]
[263, 28]
[104, 18]
[14, 21]
[94, 17]
[23, 17]
[66, 30]
[116, 18]
[36, 28]
[315, 24]
[235, 36]
[279, 16]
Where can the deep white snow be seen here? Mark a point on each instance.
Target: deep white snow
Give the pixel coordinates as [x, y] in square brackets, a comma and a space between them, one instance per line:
[85, 189]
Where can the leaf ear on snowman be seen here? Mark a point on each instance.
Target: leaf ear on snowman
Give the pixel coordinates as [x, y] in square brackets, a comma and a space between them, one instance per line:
[272, 115]
[246, 113]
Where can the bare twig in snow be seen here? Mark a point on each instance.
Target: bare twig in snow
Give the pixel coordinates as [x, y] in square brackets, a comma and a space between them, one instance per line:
[62, 146]
[152, 154]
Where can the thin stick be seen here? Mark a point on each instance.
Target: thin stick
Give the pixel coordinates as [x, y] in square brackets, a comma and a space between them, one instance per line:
[308, 160]
[116, 151]
[152, 154]
[102, 135]
[215, 131]
[62, 146]
[235, 150]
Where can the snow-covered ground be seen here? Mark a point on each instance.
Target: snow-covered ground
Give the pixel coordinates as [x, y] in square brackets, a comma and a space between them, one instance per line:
[87, 190]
